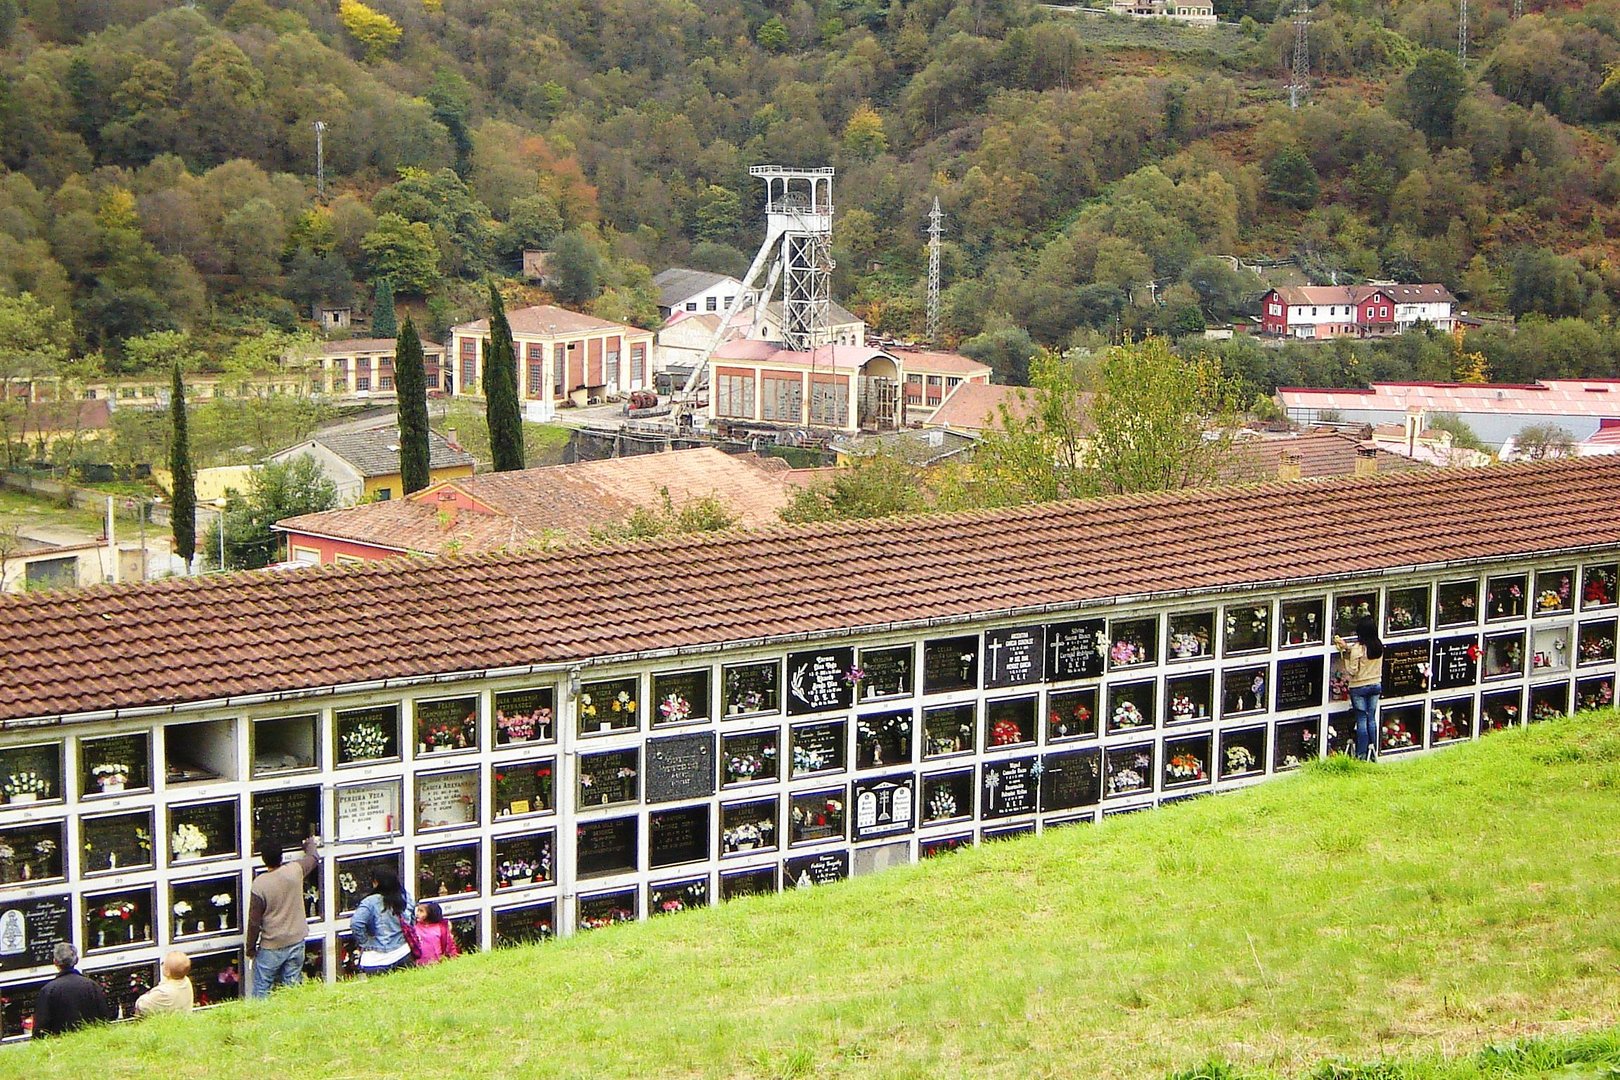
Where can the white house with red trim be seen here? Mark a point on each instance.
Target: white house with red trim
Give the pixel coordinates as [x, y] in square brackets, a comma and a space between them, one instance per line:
[1319, 312]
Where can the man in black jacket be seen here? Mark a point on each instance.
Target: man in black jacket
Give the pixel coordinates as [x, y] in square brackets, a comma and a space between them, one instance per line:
[70, 1000]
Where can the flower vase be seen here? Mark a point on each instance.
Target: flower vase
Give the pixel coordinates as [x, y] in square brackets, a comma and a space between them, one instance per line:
[523, 880]
[23, 798]
[112, 860]
[129, 932]
[224, 922]
[27, 871]
[101, 937]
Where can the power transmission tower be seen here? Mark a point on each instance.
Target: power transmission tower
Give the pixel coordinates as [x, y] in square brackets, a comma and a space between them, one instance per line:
[935, 230]
[1300, 81]
[320, 160]
[1462, 31]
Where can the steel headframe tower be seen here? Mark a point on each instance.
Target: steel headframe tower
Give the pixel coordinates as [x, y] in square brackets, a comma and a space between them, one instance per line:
[1462, 31]
[935, 231]
[1300, 80]
[799, 215]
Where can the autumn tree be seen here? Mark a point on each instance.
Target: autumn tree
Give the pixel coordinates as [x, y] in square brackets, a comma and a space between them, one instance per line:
[1540, 441]
[872, 486]
[864, 137]
[376, 32]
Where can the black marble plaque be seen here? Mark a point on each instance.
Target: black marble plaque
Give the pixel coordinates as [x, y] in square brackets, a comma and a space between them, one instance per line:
[605, 847]
[947, 796]
[1014, 657]
[134, 752]
[818, 748]
[1299, 683]
[680, 767]
[1406, 669]
[751, 688]
[823, 868]
[885, 805]
[820, 681]
[609, 778]
[30, 929]
[1073, 649]
[885, 673]
[950, 664]
[1011, 787]
[760, 881]
[291, 814]
[678, 836]
[1456, 662]
[1071, 779]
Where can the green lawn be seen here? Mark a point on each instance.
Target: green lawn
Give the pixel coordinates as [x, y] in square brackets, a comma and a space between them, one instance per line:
[543, 444]
[20, 510]
[1418, 913]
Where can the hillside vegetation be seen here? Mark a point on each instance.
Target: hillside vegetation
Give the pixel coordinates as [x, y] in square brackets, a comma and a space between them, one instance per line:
[1430, 913]
[158, 164]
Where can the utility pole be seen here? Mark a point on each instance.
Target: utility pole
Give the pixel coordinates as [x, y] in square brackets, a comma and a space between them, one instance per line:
[935, 230]
[1302, 67]
[1462, 31]
[320, 160]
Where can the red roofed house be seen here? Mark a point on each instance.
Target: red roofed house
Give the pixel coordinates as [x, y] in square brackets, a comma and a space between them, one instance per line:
[1318, 312]
[558, 503]
[562, 356]
[846, 388]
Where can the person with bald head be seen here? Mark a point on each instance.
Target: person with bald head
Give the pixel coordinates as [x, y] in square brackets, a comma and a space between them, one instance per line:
[171, 995]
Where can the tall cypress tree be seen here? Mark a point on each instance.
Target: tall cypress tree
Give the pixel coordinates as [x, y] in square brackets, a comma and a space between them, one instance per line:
[183, 514]
[384, 323]
[501, 406]
[410, 385]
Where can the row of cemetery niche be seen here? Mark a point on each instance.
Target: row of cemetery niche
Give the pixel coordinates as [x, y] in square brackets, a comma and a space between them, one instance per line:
[837, 679]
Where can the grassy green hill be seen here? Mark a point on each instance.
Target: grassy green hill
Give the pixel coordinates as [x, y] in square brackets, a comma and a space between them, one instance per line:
[1453, 915]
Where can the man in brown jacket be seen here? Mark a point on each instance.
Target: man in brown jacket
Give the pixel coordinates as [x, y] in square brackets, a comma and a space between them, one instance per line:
[276, 926]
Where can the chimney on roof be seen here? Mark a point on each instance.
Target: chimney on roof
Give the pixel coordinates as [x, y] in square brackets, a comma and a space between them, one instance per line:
[1288, 466]
[450, 437]
[1366, 460]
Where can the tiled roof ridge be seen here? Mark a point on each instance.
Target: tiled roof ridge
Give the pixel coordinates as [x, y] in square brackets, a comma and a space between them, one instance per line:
[71, 654]
[692, 543]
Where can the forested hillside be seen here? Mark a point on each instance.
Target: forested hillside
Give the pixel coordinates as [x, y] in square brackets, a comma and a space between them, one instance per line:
[159, 162]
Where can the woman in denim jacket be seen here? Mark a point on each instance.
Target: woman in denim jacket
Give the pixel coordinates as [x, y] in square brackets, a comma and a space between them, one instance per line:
[378, 926]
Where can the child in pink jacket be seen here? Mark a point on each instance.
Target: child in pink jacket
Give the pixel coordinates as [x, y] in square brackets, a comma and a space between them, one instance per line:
[434, 940]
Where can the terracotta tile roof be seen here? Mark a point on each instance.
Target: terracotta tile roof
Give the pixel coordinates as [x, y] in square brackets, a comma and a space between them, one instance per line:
[354, 346]
[375, 451]
[543, 320]
[975, 406]
[204, 639]
[1297, 295]
[925, 362]
[557, 503]
[1321, 454]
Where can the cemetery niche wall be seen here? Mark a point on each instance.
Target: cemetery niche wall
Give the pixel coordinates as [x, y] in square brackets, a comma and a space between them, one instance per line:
[544, 803]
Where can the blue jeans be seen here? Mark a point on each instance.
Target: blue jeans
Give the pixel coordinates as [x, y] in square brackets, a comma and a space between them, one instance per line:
[273, 966]
[1364, 706]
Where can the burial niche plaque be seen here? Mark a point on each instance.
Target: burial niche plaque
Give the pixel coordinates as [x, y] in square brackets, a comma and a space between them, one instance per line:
[678, 836]
[885, 673]
[1456, 662]
[807, 871]
[1299, 683]
[605, 847]
[445, 800]
[1011, 787]
[950, 664]
[291, 814]
[31, 929]
[1406, 669]
[1071, 780]
[1014, 657]
[885, 805]
[368, 810]
[820, 681]
[1076, 649]
[680, 767]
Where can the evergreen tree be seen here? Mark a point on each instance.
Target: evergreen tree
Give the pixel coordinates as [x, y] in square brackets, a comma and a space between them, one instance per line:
[410, 385]
[383, 321]
[183, 513]
[501, 391]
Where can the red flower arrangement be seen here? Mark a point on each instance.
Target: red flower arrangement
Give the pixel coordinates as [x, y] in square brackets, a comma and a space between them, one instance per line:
[1006, 733]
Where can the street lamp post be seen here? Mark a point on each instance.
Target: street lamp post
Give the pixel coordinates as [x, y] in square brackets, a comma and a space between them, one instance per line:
[219, 508]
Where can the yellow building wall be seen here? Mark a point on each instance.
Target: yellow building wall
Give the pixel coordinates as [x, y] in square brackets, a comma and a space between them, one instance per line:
[395, 484]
